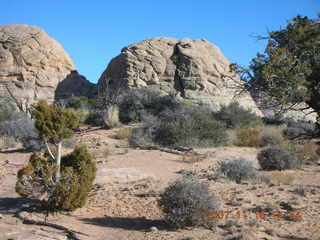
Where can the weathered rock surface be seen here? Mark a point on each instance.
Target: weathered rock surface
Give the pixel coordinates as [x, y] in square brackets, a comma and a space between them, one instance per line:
[194, 69]
[34, 66]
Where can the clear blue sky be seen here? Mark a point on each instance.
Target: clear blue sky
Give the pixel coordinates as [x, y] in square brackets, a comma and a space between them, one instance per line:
[94, 31]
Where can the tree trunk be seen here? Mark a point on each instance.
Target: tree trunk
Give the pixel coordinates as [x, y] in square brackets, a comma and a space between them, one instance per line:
[58, 160]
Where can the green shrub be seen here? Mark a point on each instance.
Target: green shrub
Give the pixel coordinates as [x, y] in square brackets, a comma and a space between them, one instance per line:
[276, 158]
[236, 116]
[79, 171]
[238, 170]
[36, 180]
[81, 102]
[187, 203]
[191, 127]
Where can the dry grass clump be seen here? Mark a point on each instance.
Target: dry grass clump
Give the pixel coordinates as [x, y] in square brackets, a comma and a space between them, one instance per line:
[111, 117]
[192, 158]
[248, 137]
[278, 177]
[306, 151]
[124, 133]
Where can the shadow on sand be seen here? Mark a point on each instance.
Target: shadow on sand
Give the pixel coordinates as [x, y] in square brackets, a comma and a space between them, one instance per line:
[138, 224]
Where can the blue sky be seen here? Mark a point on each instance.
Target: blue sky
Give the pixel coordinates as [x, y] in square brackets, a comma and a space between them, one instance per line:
[93, 32]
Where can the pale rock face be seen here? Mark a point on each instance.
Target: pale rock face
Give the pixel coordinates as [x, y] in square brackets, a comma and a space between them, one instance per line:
[34, 66]
[194, 69]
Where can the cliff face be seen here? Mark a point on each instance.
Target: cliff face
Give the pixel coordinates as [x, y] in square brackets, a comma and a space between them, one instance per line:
[194, 69]
[33, 66]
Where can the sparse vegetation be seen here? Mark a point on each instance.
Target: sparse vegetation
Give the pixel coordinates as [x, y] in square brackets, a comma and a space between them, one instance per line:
[276, 158]
[240, 170]
[187, 203]
[124, 133]
[277, 177]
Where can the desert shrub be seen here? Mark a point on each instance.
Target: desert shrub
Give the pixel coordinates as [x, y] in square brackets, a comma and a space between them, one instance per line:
[144, 135]
[305, 151]
[236, 116]
[124, 133]
[248, 137]
[187, 203]
[276, 158]
[111, 117]
[238, 170]
[189, 127]
[297, 129]
[36, 180]
[270, 140]
[79, 171]
[81, 103]
[19, 126]
[134, 104]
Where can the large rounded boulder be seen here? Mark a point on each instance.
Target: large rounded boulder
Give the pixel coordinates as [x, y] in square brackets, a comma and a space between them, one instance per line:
[193, 69]
[34, 66]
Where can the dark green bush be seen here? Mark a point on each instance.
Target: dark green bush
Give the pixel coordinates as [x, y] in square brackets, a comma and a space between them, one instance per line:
[276, 158]
[187, 203]
[236, 116]
[36, 180]
[240, 169]
[190, 127]
[135, 103]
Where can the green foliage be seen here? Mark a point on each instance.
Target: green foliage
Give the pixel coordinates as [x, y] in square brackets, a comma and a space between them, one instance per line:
[36, 180]
[236, 116]
[78, 171]
[288, 72]
[54, 123]
[276, 158]
[81, 102]
[187, 203]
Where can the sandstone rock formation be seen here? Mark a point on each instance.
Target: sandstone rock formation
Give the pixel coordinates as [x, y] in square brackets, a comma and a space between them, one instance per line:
[194, 69]
[34, 66]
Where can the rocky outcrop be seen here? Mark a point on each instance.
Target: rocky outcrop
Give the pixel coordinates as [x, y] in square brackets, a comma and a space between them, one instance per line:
[34, 66]
[194, 69]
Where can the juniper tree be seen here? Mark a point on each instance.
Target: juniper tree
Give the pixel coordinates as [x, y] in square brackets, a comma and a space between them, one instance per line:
[54, 124]
[288, 73]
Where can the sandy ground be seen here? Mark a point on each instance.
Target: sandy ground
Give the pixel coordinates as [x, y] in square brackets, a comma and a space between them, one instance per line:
[123, 203]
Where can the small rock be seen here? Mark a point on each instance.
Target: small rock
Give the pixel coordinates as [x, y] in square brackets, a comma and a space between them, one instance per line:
[154, 229]
[1, 216]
